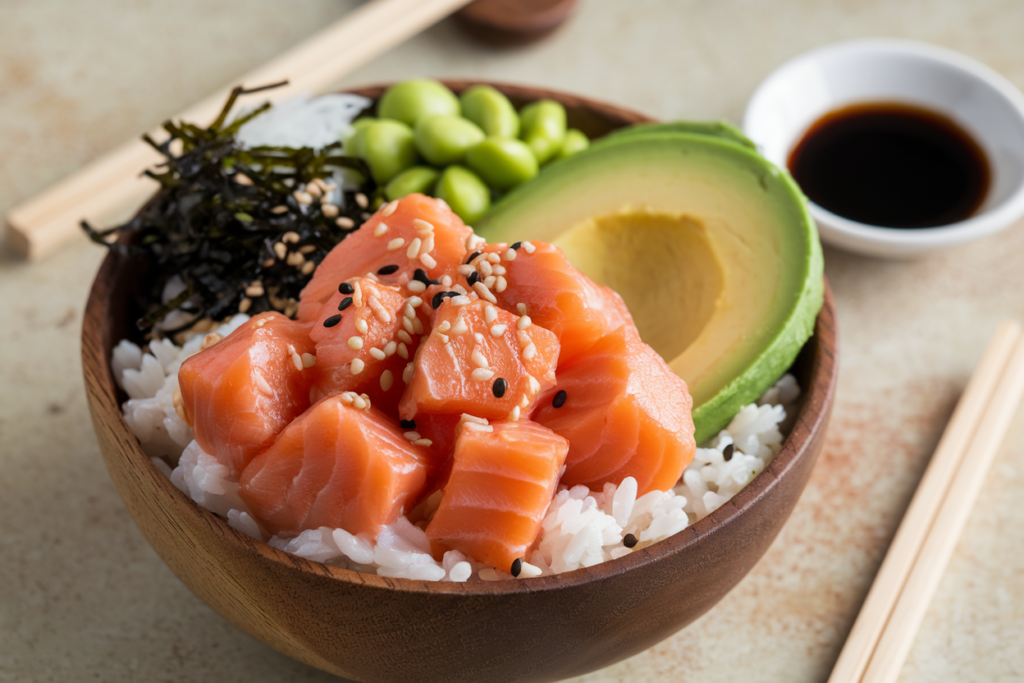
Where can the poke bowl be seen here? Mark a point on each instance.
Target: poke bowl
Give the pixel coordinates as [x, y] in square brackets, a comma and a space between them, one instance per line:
[376, 628]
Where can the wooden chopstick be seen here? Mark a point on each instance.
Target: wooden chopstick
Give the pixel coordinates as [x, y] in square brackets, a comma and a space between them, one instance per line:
[102, 190]
[888, 621]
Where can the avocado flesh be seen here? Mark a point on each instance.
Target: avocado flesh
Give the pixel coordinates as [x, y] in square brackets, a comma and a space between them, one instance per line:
[719, 129]
[709, 244]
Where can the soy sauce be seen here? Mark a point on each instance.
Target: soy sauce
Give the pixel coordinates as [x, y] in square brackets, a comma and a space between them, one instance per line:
[891, 165]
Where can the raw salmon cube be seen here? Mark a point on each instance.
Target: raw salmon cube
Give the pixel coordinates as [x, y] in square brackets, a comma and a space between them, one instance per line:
[479, 359]
[624, 412]
[502, 480]
[239, 393]
[338, 465]
[413, 233]
[365, 334]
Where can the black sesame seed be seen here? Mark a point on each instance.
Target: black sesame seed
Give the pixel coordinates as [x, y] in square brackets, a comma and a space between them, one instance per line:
[629, 540]
[436, 301]
[420, 275]
[346, 288]
[407, 424]
[388, 270]
[345, 303]
[473, 278]
[500, 385]
[559, 400]
[728, 451]
[517, 245]
[473, 256]
[517, 566]
[332, 321]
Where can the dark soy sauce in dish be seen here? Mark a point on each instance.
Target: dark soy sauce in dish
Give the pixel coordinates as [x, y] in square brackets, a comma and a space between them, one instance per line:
[891, 165]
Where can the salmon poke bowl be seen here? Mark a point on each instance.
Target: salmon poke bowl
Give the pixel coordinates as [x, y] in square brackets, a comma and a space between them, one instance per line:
[460, 381]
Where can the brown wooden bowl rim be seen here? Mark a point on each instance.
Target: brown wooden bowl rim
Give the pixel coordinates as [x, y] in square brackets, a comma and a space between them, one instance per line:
[813, 413]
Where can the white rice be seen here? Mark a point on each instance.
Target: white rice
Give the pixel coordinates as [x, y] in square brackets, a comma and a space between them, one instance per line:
[304, 121]
[580, 529]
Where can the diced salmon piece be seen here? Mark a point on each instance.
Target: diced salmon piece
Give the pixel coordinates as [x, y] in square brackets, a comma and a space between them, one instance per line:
[559, 298]
[338, 466]
[364, 337]
[414, 233]
[478, 360]
[502, 480]
[239, 393]
[624, 412]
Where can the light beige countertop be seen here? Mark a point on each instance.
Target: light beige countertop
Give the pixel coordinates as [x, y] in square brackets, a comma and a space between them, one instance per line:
[82, 595]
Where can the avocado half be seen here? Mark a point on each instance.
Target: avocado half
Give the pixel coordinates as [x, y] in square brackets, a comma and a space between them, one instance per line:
[710, 245]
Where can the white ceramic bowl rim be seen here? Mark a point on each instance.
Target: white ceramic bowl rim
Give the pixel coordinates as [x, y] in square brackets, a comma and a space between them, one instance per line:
[991, 219]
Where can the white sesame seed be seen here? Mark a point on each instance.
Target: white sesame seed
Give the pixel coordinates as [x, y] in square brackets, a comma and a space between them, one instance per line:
[460, 326]
[302, 197]
[355, 343]
[478, 358]
[280, 250]
[348, 397]
[421, 225]
[359, 403]
[390, 348]
[474, 241]
[444, 337]
[414, 248]
[243, 179]
[423, 442]
[485, 268]
[357, 366]
[313, 190]
[308, 249]
[524, 401]
[361, 200]
[417, 326]
[378, 310]
[408, 372]
[524, 338]
[489, 281]
[403, 351]
[389, 208]
[446, 280]
[345, 222]
[474, 427]
[466, 417]
[372, 276]
[261, 322]
[308, 360]
[444, 326]
[415, 286]
[407, 325]
[498, 330]
[465, 270]
[513, 415]
[510, 255]
[524, 322]
[295, 259]
[479, 337]
[245, 304]
[290, 237]
[329, 210]
[297, 361]
[530, 351]
[501, 284]
[357, 294]
[261, 383]
[428, 244]
[409, 311]
[380, 229]
[414, 301]
[482, 374]
[529, 571]
[279, 209]
[484, 293]
[498, 270]
[493, 258]
[459, 288]
[411, 436]
[521, 308]
[490, 314]
[404, 336]
[528, 246]
[396, 244]
[377, 353]
[308, 267]
[460, 300]
[386, 380]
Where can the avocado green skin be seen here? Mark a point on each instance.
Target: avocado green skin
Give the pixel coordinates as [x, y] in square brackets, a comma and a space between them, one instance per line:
[718, 129]
[759, 372]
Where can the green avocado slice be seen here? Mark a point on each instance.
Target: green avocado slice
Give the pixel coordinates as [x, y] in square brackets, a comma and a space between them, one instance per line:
[718, 129]
[710, 245]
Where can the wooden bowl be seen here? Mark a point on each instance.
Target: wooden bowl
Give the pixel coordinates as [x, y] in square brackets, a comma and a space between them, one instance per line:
[373, 628]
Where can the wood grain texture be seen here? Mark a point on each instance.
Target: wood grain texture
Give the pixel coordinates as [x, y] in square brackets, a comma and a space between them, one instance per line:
[372, 628]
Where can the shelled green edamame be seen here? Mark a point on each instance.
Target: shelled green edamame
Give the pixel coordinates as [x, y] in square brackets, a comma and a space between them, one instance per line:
[466, 150]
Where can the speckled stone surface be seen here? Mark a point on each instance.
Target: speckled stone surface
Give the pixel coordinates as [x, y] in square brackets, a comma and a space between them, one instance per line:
[83, 597]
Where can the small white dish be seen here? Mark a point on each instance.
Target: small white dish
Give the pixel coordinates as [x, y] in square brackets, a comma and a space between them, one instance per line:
[982, 102]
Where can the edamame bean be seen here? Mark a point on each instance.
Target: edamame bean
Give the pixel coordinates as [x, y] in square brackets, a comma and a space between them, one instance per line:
[464, 192]
[388, 148]
[490, 109]
[409, 101]
[363, 122]
[575, 141]
[502, 162]
[442, 139]
[413, 179]
[543, 128]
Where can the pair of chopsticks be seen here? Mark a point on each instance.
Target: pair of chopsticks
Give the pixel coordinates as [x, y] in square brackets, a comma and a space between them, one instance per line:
[102, 189]
[884, 631]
